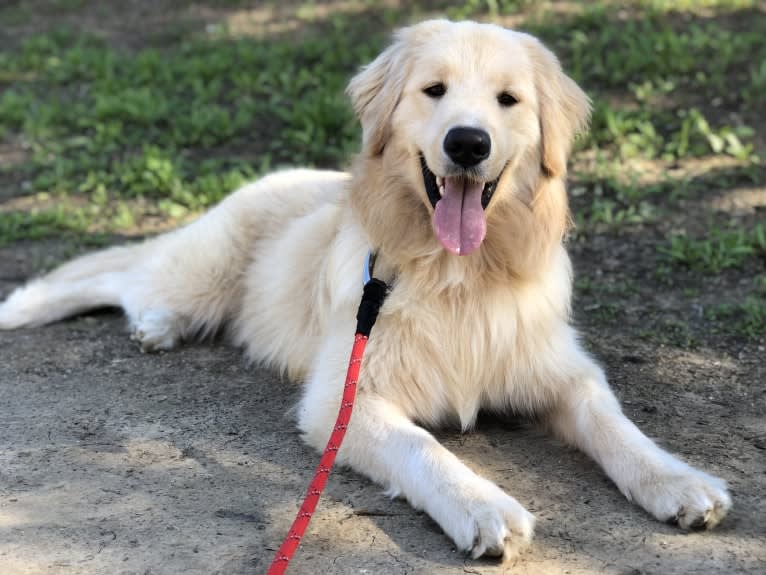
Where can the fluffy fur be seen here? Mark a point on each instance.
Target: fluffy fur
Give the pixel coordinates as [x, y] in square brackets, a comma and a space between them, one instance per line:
[279, 262]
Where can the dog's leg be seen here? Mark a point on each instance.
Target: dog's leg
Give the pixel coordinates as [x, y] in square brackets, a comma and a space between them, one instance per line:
[588, 416]
[89, 282]
[385, 445]
[176, 284]
[192, 282]
[182, 283]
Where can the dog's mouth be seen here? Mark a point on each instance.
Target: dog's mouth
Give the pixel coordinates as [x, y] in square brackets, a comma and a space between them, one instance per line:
[459, 203]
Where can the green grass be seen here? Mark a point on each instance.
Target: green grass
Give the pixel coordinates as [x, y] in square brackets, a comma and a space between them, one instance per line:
[204, 93]
[185, 125]
[73, 98]
[747, 318]
[182, 128]
[38, 224]
[667, 134]
[615, 200]
[719, 250]
[673, 332]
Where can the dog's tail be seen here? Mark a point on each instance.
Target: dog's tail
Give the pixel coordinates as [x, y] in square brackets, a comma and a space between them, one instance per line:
[189, 281]
[86, 283]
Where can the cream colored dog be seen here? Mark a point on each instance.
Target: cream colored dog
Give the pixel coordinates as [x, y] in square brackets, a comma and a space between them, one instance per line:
[459, 188]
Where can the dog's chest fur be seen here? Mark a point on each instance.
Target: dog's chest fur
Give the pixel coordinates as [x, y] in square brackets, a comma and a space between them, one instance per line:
[446, 355]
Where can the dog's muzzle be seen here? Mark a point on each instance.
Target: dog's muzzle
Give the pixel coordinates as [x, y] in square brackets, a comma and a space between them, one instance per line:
[459, 202]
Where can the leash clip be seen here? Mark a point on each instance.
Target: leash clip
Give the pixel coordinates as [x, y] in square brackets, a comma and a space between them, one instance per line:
[373, 294]
[369, 266]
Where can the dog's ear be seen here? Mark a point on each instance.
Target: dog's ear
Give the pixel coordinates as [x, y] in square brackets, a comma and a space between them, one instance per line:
[563, 107]
[375, 91]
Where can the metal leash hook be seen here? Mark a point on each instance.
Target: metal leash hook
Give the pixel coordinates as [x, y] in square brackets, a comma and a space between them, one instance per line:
[373, 295]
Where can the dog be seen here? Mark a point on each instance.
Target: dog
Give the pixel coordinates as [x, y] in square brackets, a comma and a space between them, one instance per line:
[459, 191]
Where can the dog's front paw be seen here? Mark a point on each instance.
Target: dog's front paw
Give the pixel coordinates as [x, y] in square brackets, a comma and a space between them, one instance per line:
[487, 521]
[156, 330]
[689, 497]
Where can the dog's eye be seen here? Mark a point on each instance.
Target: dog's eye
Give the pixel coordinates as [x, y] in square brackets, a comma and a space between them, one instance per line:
[435, 90]
[506, 100]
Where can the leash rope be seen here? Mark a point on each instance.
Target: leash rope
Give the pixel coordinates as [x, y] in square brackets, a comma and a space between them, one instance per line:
[372, 298]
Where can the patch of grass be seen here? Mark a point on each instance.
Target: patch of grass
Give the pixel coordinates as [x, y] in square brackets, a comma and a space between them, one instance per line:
[181, 128]
[719, 250]
[603, 311]
[659, 79]
[87, 222]
[471, 8]
[90, 112]
[612, 213]
[673, 332]
[587, 285]
[747, 318]
[694, 5]
[15, 226]
[614, 50]
[584, 285]
[669, 134]
[615, 200]
[88, 109]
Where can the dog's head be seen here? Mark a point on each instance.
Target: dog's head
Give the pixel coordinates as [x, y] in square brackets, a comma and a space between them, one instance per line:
[470, 106]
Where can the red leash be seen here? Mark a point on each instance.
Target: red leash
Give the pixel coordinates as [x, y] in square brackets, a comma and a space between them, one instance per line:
[372, 299]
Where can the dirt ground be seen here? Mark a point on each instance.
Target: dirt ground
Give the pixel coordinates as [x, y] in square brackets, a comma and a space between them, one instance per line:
[116, 462]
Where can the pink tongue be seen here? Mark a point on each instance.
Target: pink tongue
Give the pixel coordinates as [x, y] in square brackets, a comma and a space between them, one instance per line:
[459, 218]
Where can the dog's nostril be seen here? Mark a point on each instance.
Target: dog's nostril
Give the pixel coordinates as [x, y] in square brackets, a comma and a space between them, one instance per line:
[467, 146]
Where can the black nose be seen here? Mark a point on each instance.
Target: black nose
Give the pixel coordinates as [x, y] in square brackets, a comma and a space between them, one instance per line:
[467, 146]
